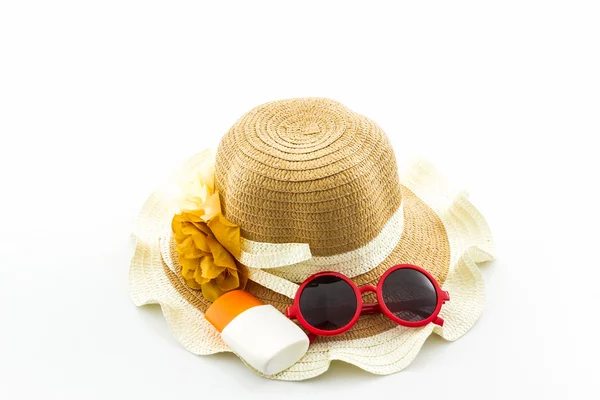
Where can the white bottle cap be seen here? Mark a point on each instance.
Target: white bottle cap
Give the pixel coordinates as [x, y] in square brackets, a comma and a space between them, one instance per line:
[258, 333]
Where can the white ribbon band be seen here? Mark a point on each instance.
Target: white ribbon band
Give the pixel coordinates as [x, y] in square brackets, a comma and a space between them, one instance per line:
[352, 263]
[263, 278]
[273, 255]
[292, 262]
[273, 282]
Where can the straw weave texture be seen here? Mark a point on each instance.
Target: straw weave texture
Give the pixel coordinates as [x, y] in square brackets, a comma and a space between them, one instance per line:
[308, 171]
[285, 174]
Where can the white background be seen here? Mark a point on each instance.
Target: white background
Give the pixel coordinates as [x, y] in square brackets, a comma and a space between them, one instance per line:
[100, 101]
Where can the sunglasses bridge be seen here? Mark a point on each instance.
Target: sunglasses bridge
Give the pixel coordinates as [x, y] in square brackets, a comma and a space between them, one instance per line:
[369, 308]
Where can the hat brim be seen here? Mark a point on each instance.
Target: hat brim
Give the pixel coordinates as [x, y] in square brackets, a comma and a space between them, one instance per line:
[443, 233]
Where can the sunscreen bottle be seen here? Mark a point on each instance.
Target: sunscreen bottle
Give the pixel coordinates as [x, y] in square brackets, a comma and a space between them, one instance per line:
[257, 332]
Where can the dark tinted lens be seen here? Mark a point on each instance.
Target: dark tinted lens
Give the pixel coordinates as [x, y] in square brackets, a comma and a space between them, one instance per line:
[409, 295]
[328, 303]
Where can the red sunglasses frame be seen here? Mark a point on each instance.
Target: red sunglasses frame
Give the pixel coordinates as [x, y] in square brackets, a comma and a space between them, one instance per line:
[293, 311]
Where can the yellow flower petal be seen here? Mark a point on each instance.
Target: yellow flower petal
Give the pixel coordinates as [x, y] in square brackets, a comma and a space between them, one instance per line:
[242, 271]
[188, 249]
[188, 267]
[193, 284]
[197, 188]
[194, 216]
[228, 280]
[197, 193]
[182, 245]
[210, 270]
[227, 233]
[211, 207]
[220, 255]
[202, 227]
[176, 227]
[199, 278]
[211, 291]
[200, 241]
[188, 228]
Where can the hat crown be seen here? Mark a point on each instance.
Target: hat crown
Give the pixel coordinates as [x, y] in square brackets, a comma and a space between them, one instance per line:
[308, 171]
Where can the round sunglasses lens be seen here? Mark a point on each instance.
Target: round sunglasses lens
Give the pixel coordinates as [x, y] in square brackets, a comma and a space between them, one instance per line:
[328, 303]
[409, 295]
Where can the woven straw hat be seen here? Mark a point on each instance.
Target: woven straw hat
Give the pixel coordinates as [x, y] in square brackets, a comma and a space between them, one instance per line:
[314, 186]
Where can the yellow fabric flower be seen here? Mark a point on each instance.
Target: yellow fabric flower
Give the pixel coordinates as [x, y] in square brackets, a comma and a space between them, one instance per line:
[207, 245]
[193, 190]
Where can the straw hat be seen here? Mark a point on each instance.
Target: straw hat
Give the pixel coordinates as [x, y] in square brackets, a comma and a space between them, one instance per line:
[314, 186]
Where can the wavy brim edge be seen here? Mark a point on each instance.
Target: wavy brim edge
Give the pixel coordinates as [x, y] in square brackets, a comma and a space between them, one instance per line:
[388, 352]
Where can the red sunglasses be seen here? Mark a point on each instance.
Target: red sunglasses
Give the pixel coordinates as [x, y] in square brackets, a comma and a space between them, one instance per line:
[329, 303]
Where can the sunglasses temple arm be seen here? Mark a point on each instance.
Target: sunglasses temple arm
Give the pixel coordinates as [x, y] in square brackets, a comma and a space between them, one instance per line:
[373, 308]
